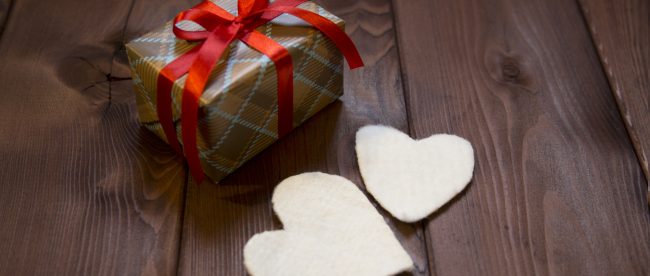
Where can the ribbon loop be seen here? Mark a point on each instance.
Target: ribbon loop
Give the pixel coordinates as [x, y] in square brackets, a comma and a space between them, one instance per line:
[245, 8]
[220, 29]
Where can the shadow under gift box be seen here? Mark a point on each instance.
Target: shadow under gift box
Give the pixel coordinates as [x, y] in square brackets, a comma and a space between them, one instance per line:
[238, 112]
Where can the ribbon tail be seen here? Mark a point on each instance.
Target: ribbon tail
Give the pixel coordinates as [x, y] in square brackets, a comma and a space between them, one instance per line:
[284, 68]
[197, 78]
[331, 30]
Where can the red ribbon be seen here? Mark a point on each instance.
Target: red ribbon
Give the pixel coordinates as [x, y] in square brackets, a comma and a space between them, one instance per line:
[221, 29]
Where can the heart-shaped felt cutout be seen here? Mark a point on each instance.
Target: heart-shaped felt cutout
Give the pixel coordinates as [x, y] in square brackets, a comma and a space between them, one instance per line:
[409, 178]
[330, 228]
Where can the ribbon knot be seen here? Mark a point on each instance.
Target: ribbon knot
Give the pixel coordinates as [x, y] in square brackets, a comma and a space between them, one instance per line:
[220, 28]
[242, 20]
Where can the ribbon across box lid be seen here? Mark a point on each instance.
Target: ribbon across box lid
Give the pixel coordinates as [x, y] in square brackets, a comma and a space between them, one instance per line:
[238, 114]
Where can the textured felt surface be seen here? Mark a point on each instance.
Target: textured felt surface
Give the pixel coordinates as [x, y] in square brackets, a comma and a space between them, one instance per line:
[330, 228]
[410, 178]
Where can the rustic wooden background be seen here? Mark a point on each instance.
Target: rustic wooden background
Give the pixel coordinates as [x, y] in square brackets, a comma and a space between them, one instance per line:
[554, 95]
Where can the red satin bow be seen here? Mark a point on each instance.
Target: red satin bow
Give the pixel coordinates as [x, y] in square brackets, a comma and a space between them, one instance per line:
[221, 29]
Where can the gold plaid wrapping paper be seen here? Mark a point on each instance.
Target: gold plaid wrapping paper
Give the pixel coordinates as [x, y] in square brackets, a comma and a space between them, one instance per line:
[238, 109]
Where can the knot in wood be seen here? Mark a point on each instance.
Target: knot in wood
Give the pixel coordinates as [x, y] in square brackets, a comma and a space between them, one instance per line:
[510, 70]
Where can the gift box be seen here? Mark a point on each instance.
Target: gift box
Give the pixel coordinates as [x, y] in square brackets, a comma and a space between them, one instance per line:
[238, 109]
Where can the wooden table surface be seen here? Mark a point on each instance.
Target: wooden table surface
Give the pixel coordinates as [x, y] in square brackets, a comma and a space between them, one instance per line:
[553, 94]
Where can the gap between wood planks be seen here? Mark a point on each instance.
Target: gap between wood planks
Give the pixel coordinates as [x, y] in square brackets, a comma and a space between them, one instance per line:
[111, 79]
[616, 78]
[422, 225]
[183, 205]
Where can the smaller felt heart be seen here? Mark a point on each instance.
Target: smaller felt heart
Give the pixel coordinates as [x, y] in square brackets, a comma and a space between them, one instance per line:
[330, 228]
[413, 178]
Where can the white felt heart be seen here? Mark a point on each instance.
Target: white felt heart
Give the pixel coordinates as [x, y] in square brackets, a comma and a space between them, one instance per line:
[330, 228]
[409, 178]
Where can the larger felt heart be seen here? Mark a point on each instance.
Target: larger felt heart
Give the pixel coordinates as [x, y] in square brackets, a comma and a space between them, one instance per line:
[330, 228]
[409, 178]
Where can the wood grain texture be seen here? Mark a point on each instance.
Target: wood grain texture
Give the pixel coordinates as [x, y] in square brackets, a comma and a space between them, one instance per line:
[85, 190]
[621, 32]
[557, 188]
[219, 219]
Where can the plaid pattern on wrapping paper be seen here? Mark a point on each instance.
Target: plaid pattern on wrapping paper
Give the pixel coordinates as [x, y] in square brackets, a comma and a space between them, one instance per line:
[238, 114]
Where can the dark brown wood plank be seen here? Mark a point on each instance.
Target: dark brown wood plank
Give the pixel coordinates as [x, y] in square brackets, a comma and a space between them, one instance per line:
[5, 10]
[219, 219]
[621, 32]
[85, 190]
[144, 17]
[557, 188]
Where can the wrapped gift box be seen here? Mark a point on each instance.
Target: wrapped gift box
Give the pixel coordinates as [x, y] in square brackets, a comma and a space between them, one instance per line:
[238, 109]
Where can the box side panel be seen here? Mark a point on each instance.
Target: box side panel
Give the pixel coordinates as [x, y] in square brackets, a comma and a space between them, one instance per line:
[145, 105]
